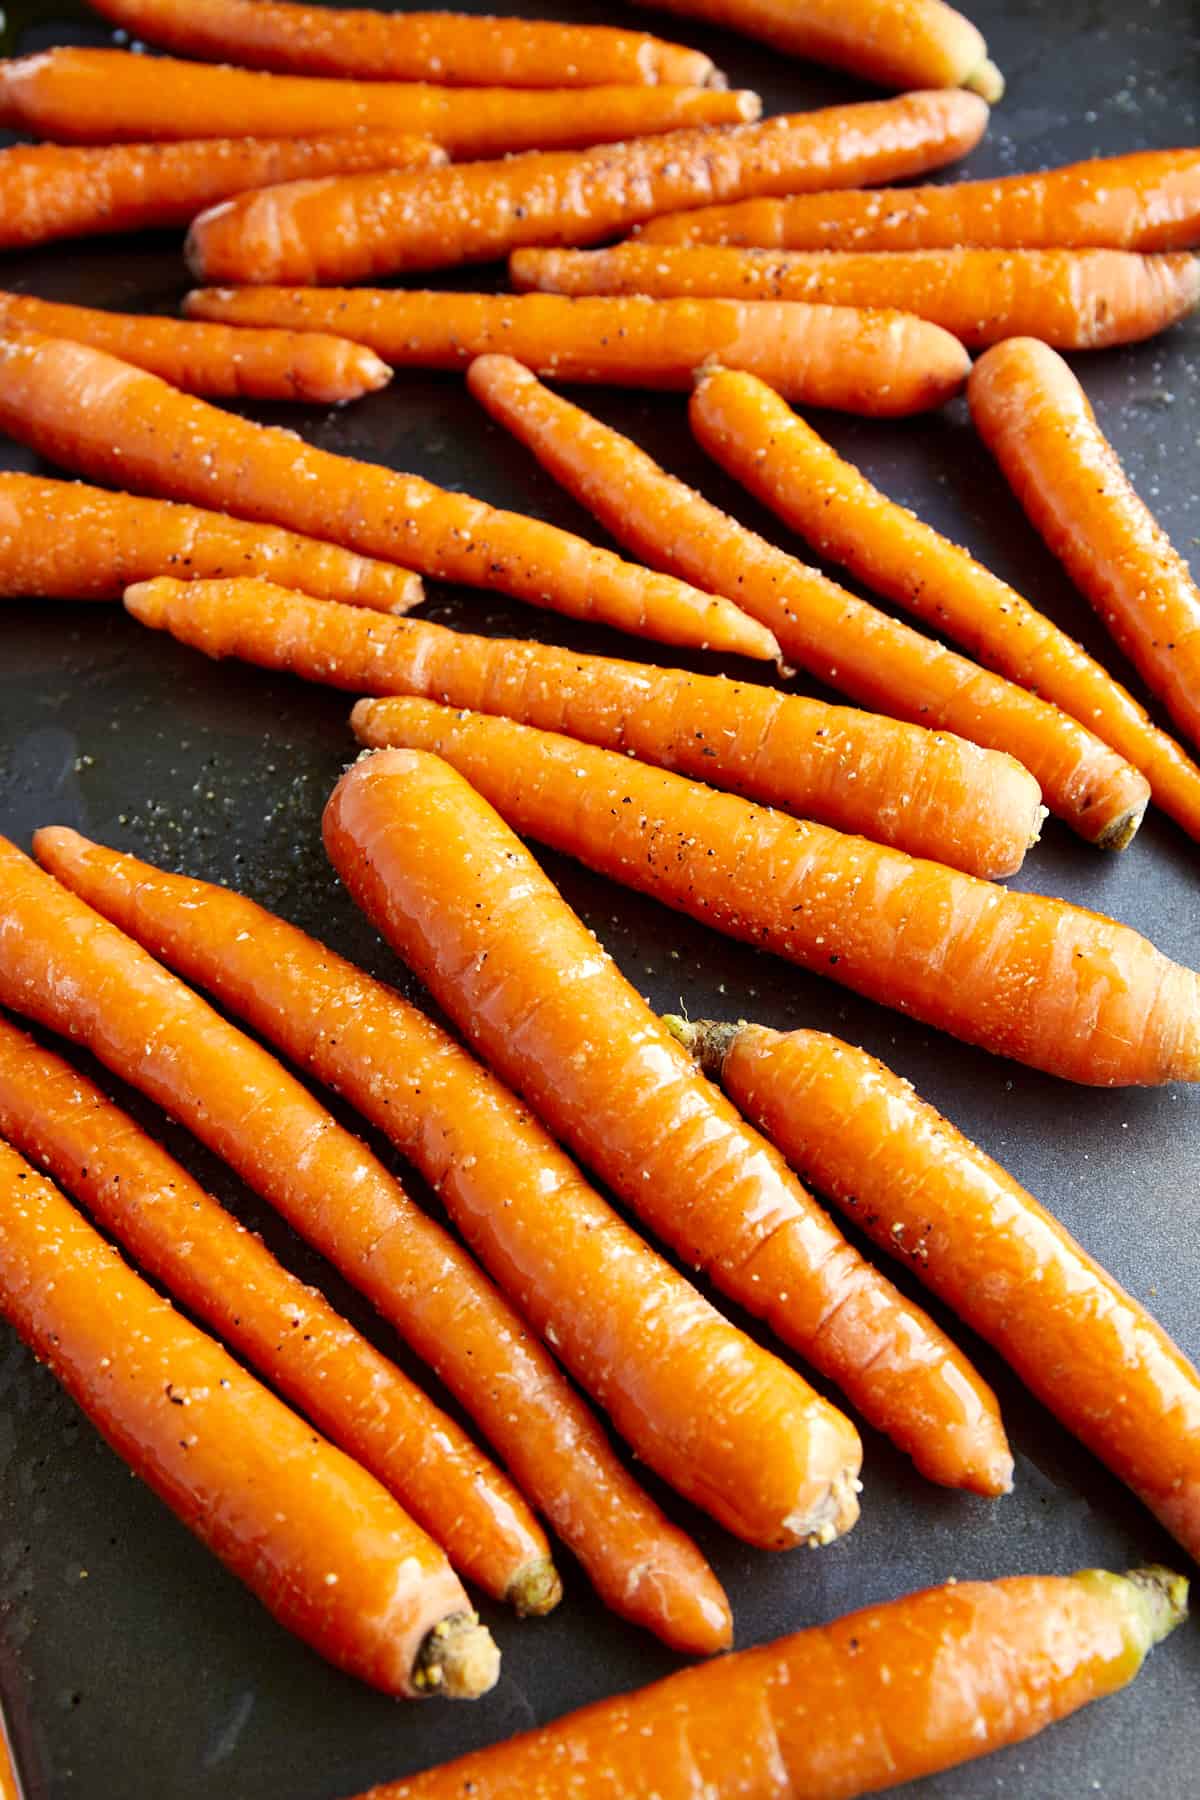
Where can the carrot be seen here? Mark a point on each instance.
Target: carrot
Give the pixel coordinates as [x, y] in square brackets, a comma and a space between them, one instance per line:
[67, 968]
[67, 541]
[1025, 976]
[723, 1421]
[352, 229]
[881, 363]
[105, 96]
[842, 640]
[881, 1696]
[91, 412]
[229, 1280]
[48, 192]
[1036, 420]
[1149, 200]
[326, 1549]
[981, 1243]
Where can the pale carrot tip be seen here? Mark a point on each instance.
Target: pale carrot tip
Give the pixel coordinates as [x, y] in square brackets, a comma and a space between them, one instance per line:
[459, 1659]
[1121, 831]
[1165, 1595]
[143, 599]
[986, 81]
[375, 373]
[535, 1590]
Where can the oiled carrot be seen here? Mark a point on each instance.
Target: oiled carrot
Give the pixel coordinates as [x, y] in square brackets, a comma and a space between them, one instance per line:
[107, 96]
[464, 903]
[844, 641]
[931, 794]
[49, 192]
[882, 363]
[1075, 299]
[786, 464]
[326, 1549]
[1036, 420]
[64, 540]
[228, 1279]
[1021, 974]
[879, 1697]
[1149, 200]
[973, 1235]
[354, 228]
[63, 965]
[87, 410]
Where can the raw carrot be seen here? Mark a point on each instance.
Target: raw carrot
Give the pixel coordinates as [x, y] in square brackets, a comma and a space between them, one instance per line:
[1036, 420]
[64, 540]
[879, 1697]
[326, 1549]
[61, 964]
[462, 901]
[1149, 200]
[83, 408]
[931, 794]
[49, 192]
[723, 1421]
[352, 229]
[1075, 299]
[105, 96]
[229, 1280]
[882, 363]
[973, 1235]
[1021, 974]
[786, 464]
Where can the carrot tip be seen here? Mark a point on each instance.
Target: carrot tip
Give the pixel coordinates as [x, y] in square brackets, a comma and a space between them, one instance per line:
[986, 81]
[833, 1517]
[1164, 1596]
[1120, 833]
[535, 1590]
[459, 1659]
[708, 1040]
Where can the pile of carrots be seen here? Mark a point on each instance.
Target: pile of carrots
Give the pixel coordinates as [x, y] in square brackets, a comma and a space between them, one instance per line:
[763, 264]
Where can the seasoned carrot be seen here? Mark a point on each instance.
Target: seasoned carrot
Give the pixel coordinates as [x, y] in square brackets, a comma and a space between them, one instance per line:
[228, 1279]
[1023, 975]
[107, 96]
[49, 192]
[91, 412]
[882, 363]
[1036, 420]
[326, 1549]
[352, 229]
[64, 540]
[63, 965]
[842, 640]
[458, 896]
[1149, 200]
[972, 1234]
[723, 1421]
[750, 432]
[879, 1697]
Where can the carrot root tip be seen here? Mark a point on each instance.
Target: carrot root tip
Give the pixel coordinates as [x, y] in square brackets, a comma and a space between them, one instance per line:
[832, 1517]
[986, 81]
[459, 1658]
[535, 1590]
[1123, 829]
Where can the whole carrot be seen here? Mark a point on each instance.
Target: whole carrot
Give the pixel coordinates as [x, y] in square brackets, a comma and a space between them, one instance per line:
[89, 411]
[1025, 976]
[1036, 420]
[881, 363]
[326, 1549]
[63, 965]
[352, 229]
[228, 1279]
[972, 1234]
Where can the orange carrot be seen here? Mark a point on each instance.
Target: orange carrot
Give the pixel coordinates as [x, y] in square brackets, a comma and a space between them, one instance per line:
[931, 794]
[787, 465]
[1147, 201]
[61, 964]
[879, 1697]
[842, 640]
[463, 902]
[64, 540]
[881, 363]
[106, 96]
[1022, 975]
[83, 408]
[352, 229]
[1076, 299]
[1036, 420]
[48, 192]
[326, 1549]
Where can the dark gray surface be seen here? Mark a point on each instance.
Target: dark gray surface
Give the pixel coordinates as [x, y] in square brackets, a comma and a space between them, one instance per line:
[134, 1666]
